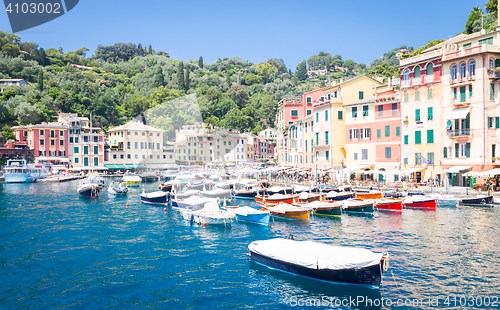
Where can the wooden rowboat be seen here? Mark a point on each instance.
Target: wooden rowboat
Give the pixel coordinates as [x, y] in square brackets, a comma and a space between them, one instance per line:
[288, 211]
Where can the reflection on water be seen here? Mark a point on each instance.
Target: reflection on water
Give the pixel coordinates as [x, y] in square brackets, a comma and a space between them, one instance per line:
[59, 250]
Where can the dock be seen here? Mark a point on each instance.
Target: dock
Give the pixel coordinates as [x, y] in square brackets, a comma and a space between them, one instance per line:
[60, 178]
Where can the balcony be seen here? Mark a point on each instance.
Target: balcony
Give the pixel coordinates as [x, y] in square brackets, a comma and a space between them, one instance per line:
[405, 83]
[463, 132]
[494, 74]
[335, 99]
[322, 144]
[428, 79]
[420, 58]
[417, 81]
[470, 51]
[460, 103]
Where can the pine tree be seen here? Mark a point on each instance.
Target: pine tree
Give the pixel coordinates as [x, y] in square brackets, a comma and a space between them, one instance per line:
[39, 80]
[187, 81]
[140, 51]
[150, 51]
[180, 75]
[200, 62]
[228, 79]
[159, 80]
[301, 73]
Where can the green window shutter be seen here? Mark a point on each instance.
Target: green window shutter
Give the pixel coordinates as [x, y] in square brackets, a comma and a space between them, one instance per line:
[430, 158]
[354, 112]
[96, 149]
[340, 115]
[361, 95]
[398, 131]
[430, 136]
[326, 138]
[306, 149]
[467, 45]
[405, 160]
[76, 150]
[492, 91]
[445, 152]
[490, 122]
[317, 117]
[462, 94]
[85, 149]
[326, 115]
[308, 99]
[96, 161]
[456, 150]
[417, 114]
[365, 110]
[85, 161]
[417, 72]
[406, 139]
[467, 149]
[417, 95]
[429, 113]
[497, 122]
[387, 152]
[317, 138]
[418, 137]
[387, 131]
[470, 90]
[455, 93]
[429, 93]
[378, 133]
[406, 98]
[327, 155]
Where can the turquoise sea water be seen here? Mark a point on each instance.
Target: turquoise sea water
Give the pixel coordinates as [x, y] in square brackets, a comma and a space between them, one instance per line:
[58, 250]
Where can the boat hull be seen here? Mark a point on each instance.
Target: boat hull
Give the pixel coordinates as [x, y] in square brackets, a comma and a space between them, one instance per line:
[376, 195]
[340, 197]
[272, 201]
[371, 275]
[160, 200]
[18, 178]
[90, 192]
[389, 205]
[328, 211]
[262, 219]
[429, 204]
[290, 215]
[478, 201]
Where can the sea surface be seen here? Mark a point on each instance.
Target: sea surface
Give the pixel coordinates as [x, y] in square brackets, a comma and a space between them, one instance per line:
[60, 251]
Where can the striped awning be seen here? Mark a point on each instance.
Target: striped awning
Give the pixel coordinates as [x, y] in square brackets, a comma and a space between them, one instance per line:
[115, 166]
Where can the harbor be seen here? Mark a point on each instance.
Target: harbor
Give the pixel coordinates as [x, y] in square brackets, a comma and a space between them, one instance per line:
[114, 251]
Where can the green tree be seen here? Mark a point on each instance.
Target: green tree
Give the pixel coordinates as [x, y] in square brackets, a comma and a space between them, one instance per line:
[200, 62]
[239, 95]
[162, 95]
[301, 73]
[187, 81]
[10, 50]
[65, 101]
[473, 16]
[7, 133]
[39, 80]
[212, 122]
[159, 80]
[266, 70]
[491, 6]
[180, 75]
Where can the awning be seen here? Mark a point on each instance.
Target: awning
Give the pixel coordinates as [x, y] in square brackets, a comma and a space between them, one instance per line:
[413, 170]
[115, 166]
[135, 166]
[459, 113]
[492, 172]
[342, 149]
[457, 169]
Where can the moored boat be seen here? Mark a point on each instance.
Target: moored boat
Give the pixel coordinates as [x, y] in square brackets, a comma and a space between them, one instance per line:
[321, 261]
[369, 195]
[119, 189]
[305, 197]
[217, 193]
[170, 186]
[327, 208]
[19, 171]
[338, 196]
[288, 211]
[131, 179]
[157, 197]
[389, 204]
[357, 205]
[446, 200]
[90, 190]
[247, 214]
[192, 203]
[276, 198]
[210, 214]
[480, 200]
[419, 202]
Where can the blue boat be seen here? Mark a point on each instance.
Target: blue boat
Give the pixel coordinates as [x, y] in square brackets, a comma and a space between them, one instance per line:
[247, 214]
[338, 196]
[158, 197]
[19, 171]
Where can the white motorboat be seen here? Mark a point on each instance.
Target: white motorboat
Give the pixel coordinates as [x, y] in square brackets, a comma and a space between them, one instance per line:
[19, 171]
[131, 179]
[210, 214]
[117, 189]
[217, 193]
[192, 203]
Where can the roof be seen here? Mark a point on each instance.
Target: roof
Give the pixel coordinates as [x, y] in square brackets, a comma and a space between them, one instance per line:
[135, 126]
[363, 101]
[352, 79]
[11, 80]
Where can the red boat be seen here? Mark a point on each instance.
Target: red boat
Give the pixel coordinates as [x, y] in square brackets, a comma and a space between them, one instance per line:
[389, 204]
[277, 198]
[420, 202]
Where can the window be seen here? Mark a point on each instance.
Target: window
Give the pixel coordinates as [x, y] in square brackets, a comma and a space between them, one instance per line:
[75, 150]
[76, 139]
[42, 142]
[308, 99]
[361, 95]
[462, 69]
[417, 72]
[85, 150]
[364, 154]
[430, 158]
[305, 127]
[326, 138]
[497, 122]
[430, 69]
[418, 137]
[365, 110]
[453, 72]
[493, 150]
[70, 139]
[394, 108]
[417, 95]
[405, 139]
[85, 139]
[468, 45]
[462, 93]
[317, 117]
[340, 116]
[327, 155]
[429, 113]
[455, 93]
[405, 98]
[378, 133]
[355, 156]
[417, 114]
[406, 75]
[430, 136]
[308, 113]
[405, 161]
[354, 112]
[486, 41]
[41, 132]
[398, 131]
[470, 90]
[429, 93]
[387, 130]
[418, 158]
[490, 122]
[353, 134]
[317, 138]
[380, 110]
[294, 113]
[52, 134]
[326, 115]
[387, 152]
[61, 142]
[445, 152]
[366, 133]
[52, 142]
[472, 68]
[492, 91]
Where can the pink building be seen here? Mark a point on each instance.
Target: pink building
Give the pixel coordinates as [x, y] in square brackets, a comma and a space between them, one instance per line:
[49, 140]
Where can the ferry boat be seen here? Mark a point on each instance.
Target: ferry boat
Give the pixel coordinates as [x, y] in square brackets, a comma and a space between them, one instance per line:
[19, 171]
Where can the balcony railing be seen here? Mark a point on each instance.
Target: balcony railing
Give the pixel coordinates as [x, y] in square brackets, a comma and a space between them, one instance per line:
[405, 83]
[428, 79]
[494, 74]
[459, 102]
[321, 143]
[420, 58]
[459, 132]
[417, 81]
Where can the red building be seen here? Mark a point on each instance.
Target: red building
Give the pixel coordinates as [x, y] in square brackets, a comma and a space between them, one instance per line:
[49, 140]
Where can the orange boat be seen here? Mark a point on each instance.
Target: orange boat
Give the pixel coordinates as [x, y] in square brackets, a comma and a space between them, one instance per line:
[369, 195]
[277, 198]
[287, 211]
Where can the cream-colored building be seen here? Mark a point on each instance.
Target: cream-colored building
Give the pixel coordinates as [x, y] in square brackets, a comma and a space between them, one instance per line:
[136, 143]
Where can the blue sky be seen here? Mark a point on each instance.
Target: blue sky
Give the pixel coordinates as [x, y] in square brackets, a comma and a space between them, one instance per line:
[256, 30]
